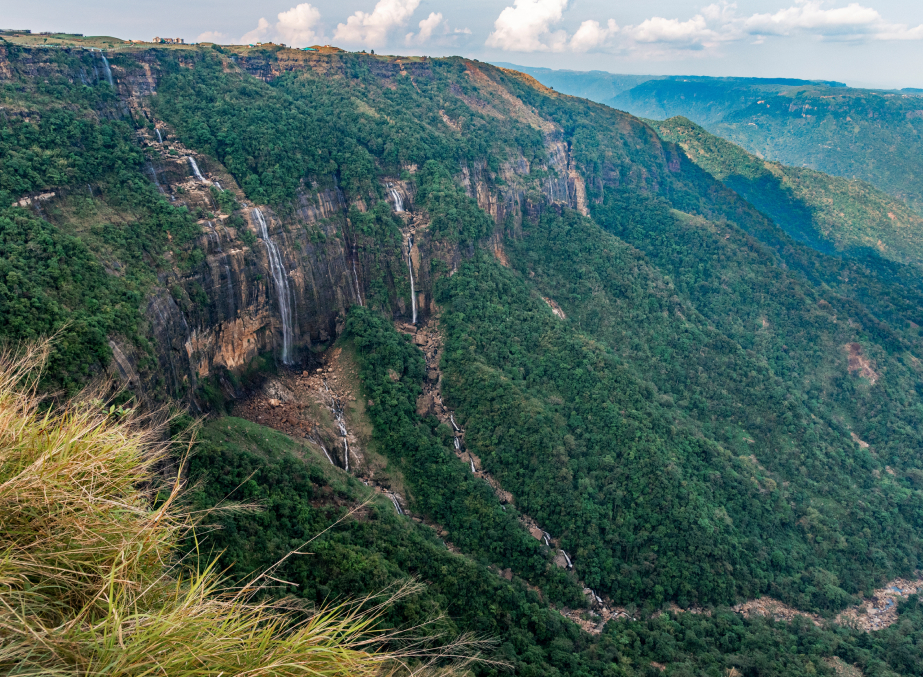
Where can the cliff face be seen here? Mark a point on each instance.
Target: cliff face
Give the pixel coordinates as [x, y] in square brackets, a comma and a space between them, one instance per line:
[278, 285]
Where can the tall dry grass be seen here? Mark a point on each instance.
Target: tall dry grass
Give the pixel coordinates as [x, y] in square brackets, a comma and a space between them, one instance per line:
[90, 585]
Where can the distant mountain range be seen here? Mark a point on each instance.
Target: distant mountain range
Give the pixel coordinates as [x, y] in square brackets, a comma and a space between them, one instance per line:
[870, 135]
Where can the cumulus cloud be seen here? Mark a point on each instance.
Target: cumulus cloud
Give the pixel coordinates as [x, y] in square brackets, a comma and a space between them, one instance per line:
[526, 27]
[371, 29]
[258, 34]
[853, 21]
[591, 35]
[532, 26]
[435, 28]
[299, 26]
[213, 36]
[694, 31]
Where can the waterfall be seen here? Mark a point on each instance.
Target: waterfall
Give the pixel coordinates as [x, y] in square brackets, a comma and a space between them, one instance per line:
[327, 455]
[218, 185]
[280, 279]
[232, 307]
[195, 169]
[398, 200]
[473, 469]
[107, 69]
[457, 445]
[569, 563]
[397, 506]
[413, 292]
[341, 423]
[154, 176]
[159, 137]
[356, 277]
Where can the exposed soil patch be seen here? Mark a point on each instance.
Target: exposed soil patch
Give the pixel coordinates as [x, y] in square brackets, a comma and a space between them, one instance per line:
[860, 363]
[555, 308]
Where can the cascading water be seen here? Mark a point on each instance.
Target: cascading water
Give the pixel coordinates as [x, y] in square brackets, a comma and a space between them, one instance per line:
[107, 69]
[398, 200]
[154, 176]
[356, 278]
[413, 292]
[280, 279]
[341, 422]
[397, 506]
[195, 169]
[159, 137]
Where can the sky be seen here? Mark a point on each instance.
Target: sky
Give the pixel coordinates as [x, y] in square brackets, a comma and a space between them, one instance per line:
[869, 43]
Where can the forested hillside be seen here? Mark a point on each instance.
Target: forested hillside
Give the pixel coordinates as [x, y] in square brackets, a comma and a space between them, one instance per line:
[610, 381]
[859, 134]
[830, 213]
[866, 135]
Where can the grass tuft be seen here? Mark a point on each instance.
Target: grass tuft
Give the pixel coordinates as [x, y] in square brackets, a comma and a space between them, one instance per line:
[90, 584]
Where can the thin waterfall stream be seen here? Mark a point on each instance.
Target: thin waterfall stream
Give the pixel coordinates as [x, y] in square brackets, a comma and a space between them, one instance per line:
[107, 69]
[398, 200]
[159, 137]
[337, 410]
[280, 279]
[195, 169]
[413, 292]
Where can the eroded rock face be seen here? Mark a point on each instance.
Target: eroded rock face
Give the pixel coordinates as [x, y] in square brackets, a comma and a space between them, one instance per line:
[208, 323]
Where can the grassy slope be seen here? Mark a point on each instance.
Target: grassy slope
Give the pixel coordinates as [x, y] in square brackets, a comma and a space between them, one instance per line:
[829, 213]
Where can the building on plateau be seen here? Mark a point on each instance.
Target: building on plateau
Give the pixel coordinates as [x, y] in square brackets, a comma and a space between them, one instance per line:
[169, 41]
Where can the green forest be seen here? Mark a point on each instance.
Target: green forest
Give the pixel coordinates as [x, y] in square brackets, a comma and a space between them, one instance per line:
[725, 406]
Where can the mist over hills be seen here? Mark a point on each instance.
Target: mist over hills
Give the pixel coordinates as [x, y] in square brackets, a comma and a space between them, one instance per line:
[624, 396]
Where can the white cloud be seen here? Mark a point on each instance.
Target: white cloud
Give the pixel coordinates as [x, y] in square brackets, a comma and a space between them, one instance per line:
[258, 34]
[213, 36]
[591, 35]
[427, 26]
[526, 27]
[695, 31]
[435, 28]
[853, 21]
[299, 25]
[372, 29]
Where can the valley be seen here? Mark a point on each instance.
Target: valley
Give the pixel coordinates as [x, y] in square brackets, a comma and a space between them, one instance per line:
[620, 395]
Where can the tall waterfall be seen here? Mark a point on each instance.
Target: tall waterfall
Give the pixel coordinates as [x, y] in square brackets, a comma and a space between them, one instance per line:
[356, 278]
[280, 278]
[398, 200]
[195, 169]
[107, 69]
[159, 137]
[413, 292]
